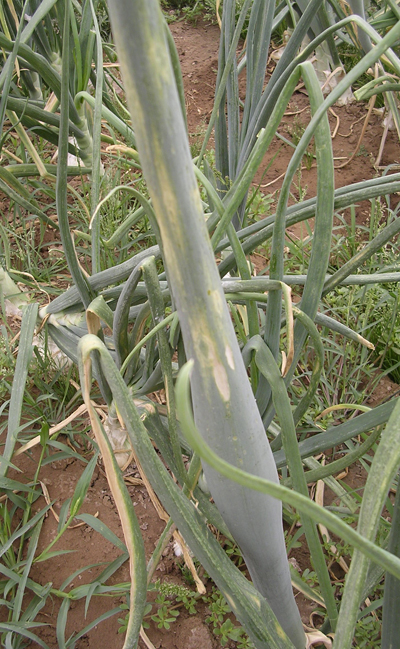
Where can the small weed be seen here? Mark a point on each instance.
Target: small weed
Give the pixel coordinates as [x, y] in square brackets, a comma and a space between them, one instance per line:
[200, 9]
[171, 597]
[291, 542]
[341, 550]
[218, 608]
[233, 551]
[362, 152]
[7, 364]
[228, 631]
[196, 143]
[181, 594]
[190, 10]
[188, 601]
[259, 206]
[368, 632]
[124, 621]
[165, 614]
[222, 625]
[310, 577]
[296, 131]
[301, 189]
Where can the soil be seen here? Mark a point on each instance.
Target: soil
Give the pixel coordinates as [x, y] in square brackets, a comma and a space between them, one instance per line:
[198, 51]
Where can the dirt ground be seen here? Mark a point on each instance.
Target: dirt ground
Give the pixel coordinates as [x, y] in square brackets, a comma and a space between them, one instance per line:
[198, 51]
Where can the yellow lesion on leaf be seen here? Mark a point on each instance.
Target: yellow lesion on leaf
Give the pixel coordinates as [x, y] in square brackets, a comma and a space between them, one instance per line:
[221, 381]
[229, 357]
[280, 632]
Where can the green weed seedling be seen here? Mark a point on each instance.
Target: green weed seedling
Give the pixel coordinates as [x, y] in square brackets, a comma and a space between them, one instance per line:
[7, 364]
[233, 551]
[124, 621]
[171, 598]
[296, 131]
[292, 542]
[194, 10]
[218, 608]
[218, 618]
[165, 614]
[310, 577]
[368, 632]
[221, 625]
[259, 206]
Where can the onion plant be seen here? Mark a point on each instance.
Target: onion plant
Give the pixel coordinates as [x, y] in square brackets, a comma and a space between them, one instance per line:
[135, 325]
[221, 400]
[42, 48]
[35, 47]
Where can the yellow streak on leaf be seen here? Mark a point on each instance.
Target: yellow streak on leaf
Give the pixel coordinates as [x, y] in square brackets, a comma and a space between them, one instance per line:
[221, 380]
[229, 357]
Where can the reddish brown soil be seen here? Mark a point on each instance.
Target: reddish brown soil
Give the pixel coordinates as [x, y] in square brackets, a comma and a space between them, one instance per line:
[197, 47]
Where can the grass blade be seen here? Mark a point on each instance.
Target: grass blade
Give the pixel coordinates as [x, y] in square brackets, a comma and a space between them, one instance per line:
[383, 469]
[391, 598]
[102, 529]
[24, 578]
[18, 630]
[18, 387]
